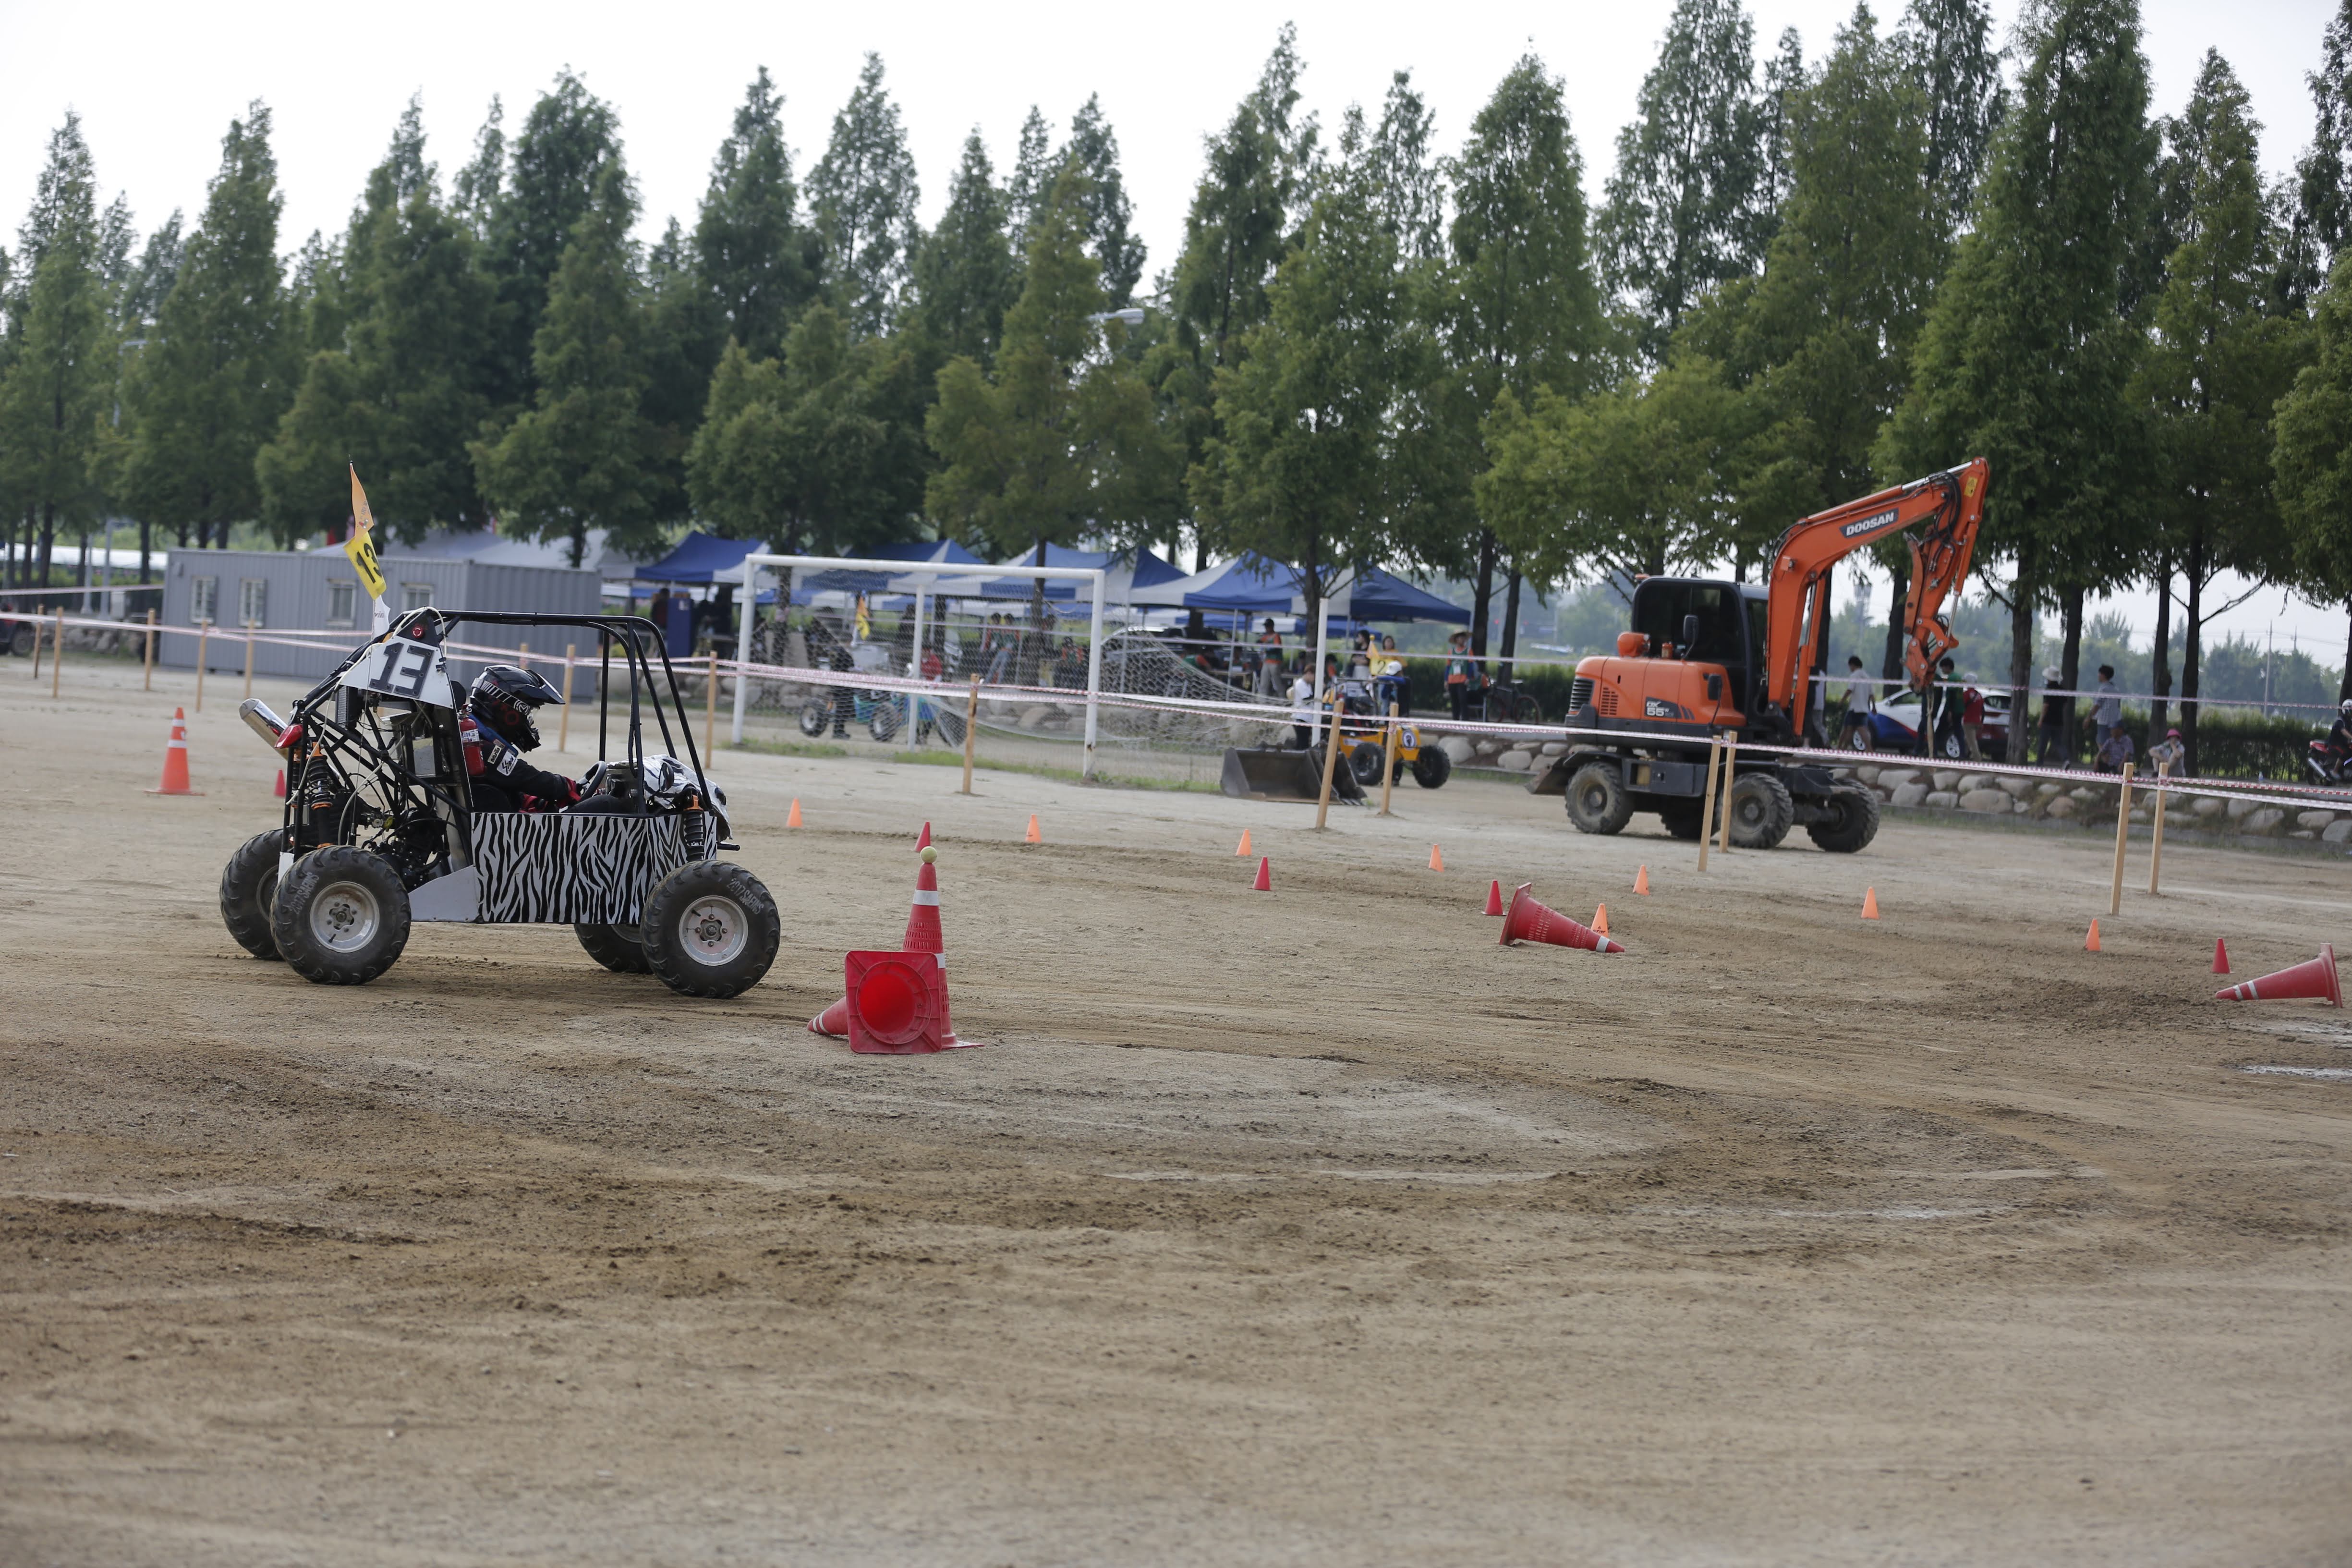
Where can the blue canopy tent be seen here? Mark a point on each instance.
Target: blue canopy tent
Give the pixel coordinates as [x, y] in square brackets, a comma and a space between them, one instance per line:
[701, 558]
[1120, 580]
[914, 552]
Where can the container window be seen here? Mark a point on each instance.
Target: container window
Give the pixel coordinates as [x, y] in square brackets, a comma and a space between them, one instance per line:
[204, 600]
[414, 596]
[252, 601]
[342, 598]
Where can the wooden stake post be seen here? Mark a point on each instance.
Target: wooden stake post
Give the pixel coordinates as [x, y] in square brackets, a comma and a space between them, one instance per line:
[249, 658]
[204, 635]
[2123, 833]
[37, 630]
[1388, 762]
[563, 720]
[710, 706]
[2156, 856]
[1330, 757]
[1723, 813]
[1707, 804]
[149, 683]
[57, 654]
[970, 731]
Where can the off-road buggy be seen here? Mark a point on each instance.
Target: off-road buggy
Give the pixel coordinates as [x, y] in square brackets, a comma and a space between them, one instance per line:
[382, 828]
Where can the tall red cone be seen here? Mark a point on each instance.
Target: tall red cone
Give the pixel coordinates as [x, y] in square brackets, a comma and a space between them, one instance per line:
[923, 934]
[1265, 883]
[2220, 957]
[925, 841]
[2314, 977]
[834, 1021]
[175, 758]
[1528, 920]
[1494, 898]
[280, 790]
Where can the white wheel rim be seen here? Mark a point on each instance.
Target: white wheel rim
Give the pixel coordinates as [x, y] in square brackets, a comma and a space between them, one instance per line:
[344, 917]
[714, 929]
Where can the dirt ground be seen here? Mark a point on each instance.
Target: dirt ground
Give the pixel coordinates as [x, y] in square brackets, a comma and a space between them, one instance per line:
[1303, 1228]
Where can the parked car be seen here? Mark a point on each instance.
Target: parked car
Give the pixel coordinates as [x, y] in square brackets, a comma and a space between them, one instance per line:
[1894, 727]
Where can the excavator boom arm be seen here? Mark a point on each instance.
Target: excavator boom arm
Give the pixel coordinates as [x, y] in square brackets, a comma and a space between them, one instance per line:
[1951, 503]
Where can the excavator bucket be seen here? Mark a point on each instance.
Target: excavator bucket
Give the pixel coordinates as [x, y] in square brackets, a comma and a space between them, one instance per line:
[1551, 777]
[1269, 773]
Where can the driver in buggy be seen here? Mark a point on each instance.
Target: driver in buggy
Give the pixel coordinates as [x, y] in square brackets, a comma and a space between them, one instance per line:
[497, 728]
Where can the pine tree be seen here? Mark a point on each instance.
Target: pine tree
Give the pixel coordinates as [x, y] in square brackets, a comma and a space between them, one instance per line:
[1682, 209]
[157, 269]
[2026, 356]
[578, 459]
[559, 158]
[60, 371]
[1949, 46]
[1062, 435]
[760, 262]
[684, 335]
[964, 275]
[2313, 457]
[1243, 211]
[1032, 176]
[2318, 212]
[1093, 151]
[217, 371]
[1303, 467]
[1524, 307]
[1784, 78]
[476, 193]
[2219, 363]
[1406, 179]
[864, 194]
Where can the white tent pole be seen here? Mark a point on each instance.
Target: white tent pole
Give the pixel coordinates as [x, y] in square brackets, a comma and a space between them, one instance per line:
[1322, 635]
[743, 639]
[1094, 678]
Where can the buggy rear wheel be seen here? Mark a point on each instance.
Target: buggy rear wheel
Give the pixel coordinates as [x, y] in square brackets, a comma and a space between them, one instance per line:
[618, 948]
[1365, 759]
[248, 889]
[20, 639]
[817, 715]
[711, 929]
[885, 722]
[342, 916]
[1432, 766]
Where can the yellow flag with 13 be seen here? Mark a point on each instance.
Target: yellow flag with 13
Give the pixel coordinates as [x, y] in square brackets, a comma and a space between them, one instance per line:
[360, 547]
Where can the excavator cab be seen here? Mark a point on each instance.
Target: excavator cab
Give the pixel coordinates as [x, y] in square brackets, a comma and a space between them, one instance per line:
[1714, 626]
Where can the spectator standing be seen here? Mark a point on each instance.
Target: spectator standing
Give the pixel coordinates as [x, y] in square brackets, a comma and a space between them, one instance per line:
[1271, 675]
[2108, 712]
[2054, 704]
[1972, 719]
[1461, 672]
[1945, 691]
[1861, 702]
[1302, 709]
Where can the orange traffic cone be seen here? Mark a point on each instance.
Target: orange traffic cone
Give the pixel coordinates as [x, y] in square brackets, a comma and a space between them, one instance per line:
[1870, 903]
[2091, 943]
[1033, 836]
[175, 758]
[793, 818]
[834, 1021]
[1600, 920]
[1265, 883]
[2220, 957]
[1494, 897]
[280, 790]
[1243, 847]
[923, 936]
[1436, 860]
[925, 841]
[1642, 881]
[897, 1002]
[1528, 920]
[2314, 977]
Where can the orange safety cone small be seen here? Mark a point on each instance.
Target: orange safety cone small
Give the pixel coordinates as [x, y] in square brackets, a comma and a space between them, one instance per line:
[175, 758]
[1642, 881]
[1494, 898]
[2316, 978]
[793, 818]
[1528, 920]
[2220, 957]
[1600, 920]
[924, 842]
[280, 790]
[1033, 836]
[1436, 860]
[1243, 847]
[1870, 903]
[2091, 943]
[1265, 883]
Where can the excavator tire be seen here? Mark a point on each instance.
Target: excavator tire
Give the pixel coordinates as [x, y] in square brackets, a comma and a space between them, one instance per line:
[1598, 800]
[1852, 824]
[1761, 811]
[1684, 820]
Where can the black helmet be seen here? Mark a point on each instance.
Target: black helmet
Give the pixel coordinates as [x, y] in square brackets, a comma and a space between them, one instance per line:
[505, 696]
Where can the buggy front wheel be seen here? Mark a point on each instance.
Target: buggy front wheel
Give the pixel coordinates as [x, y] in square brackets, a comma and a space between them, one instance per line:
[709, 929]
[342, 916]
[816, 716]
[885, 722]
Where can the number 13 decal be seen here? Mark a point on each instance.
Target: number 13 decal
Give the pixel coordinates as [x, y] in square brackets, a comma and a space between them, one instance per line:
[399, 681]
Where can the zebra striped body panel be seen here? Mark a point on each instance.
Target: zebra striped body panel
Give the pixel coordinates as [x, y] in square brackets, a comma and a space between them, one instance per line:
[568, 869]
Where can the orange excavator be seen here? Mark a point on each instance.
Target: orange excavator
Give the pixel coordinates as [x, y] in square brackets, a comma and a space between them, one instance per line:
[1705, 657]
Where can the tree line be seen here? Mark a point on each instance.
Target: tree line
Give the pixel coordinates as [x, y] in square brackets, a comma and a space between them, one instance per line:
[1802, 280]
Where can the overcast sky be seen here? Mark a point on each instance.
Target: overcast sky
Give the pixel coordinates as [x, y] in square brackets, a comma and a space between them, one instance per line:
[156, 84]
